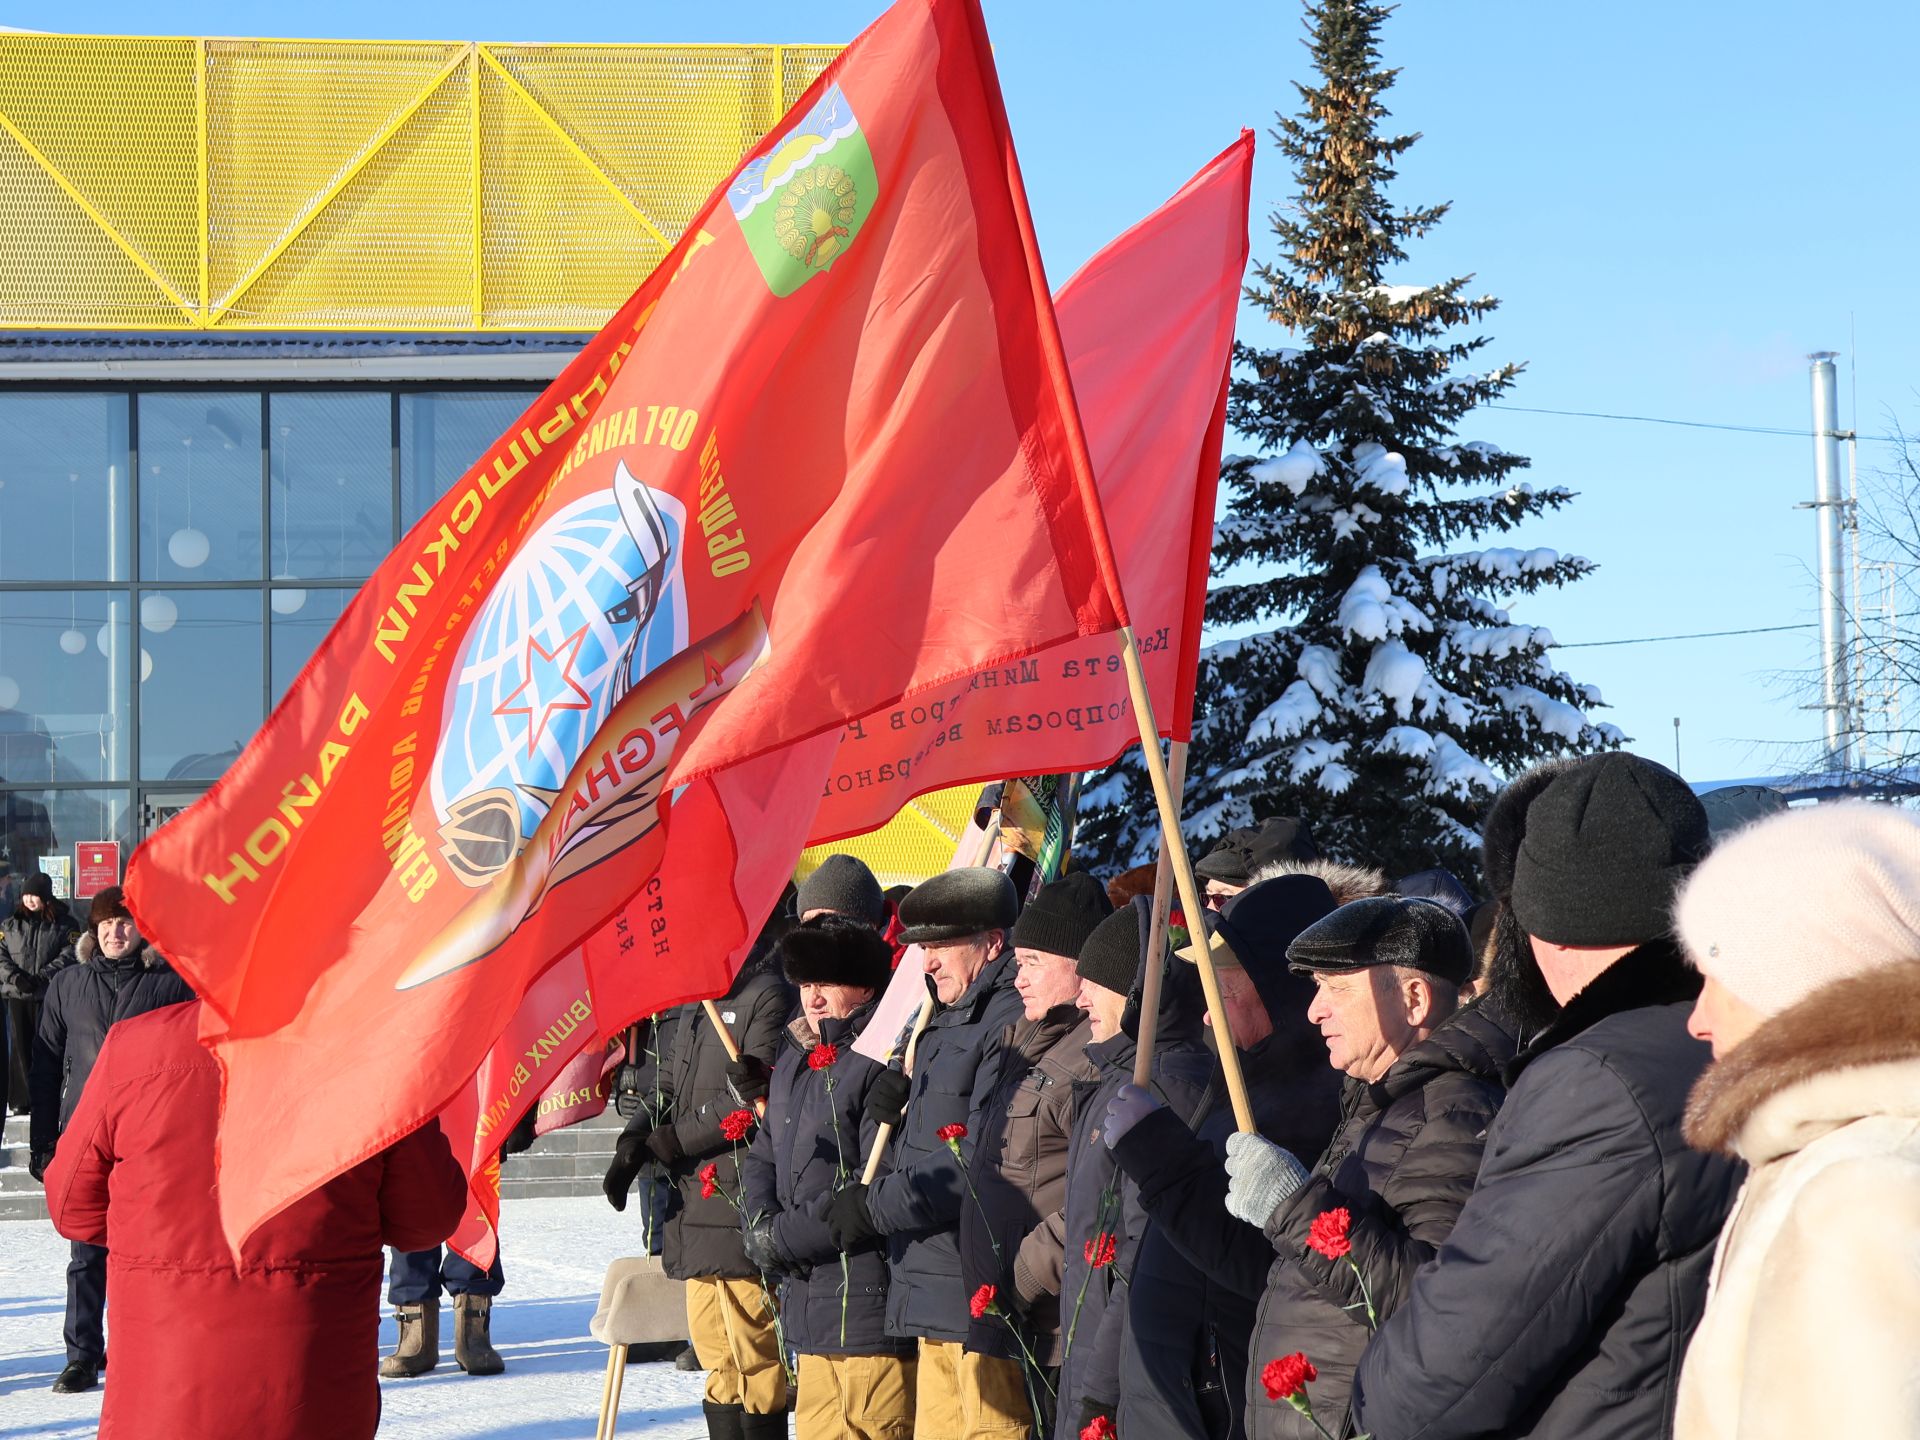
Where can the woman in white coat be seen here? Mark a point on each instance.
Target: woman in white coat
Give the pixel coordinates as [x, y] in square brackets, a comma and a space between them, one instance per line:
[1807, 929]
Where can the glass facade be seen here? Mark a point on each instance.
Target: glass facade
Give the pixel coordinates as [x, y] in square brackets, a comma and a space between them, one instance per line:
[170, 557]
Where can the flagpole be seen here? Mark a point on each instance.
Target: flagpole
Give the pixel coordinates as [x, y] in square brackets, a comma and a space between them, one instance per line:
[1183, 878]
[732, 1049]
[885, 1132]
[1157, 933]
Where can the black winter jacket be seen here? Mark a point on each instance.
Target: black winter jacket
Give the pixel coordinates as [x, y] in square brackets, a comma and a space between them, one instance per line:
[1101, 1201]
[1564, 1299]
[1402, 1164]
[917, 1207]
[812, 1142]
[34, 947]
[1019, 1172]
[1201, 1272]
[702, 1236]
[82, 1004]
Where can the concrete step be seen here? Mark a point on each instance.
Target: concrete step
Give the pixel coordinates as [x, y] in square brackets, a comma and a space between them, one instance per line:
[15, 1178]
[14, 1132]
[23, 1205]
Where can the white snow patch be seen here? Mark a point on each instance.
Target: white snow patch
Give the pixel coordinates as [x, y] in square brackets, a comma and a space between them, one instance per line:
[1408, 740]
[1371, 611]
[1336, 779]
[555, 1252]
[1556, 717]
[1320, 668]
[1398, 294]
[1294, 711]
[1310, 756]
[1380, 468]
[1107, 794]
[1296, 469]
[1396, 673]
[1457, 772]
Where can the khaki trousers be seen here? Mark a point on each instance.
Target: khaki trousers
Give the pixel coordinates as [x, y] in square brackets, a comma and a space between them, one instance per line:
[855, 1397]
[963, 1396]
[732, 1332]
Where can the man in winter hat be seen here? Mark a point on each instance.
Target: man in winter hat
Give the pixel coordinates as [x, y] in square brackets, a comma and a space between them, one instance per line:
[1563, 1299]
[36, 943]
[1806, 926]
[1237, 856]
[119, 975]
[1423, 1083]
[843, 885]
[1011, 1239]
[856, 1381]
[961, 920]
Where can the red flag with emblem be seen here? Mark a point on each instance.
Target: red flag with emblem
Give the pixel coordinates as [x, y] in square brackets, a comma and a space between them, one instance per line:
[826, 457]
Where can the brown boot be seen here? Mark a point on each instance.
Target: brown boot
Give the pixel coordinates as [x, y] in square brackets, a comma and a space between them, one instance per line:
[472, 1335]
[419, 1347]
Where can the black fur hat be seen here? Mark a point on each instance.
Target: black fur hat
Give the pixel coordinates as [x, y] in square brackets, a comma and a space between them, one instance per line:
[831, 949]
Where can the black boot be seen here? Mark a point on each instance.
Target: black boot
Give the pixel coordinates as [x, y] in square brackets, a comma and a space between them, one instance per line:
[81, 1376]
[764, 1427]
[723, 1421]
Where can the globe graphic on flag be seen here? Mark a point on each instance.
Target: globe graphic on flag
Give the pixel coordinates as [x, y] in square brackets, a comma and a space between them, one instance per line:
[592, 602]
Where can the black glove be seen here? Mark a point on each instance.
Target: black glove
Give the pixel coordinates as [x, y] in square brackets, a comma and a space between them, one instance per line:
[628, 1096]
[629, 1154]
[665, 1145]
[37, 1164]
[849, 1222]
[520, 1139]
[887, 1097]
[1092, 1409]
[757, 1241]
[749, 1078]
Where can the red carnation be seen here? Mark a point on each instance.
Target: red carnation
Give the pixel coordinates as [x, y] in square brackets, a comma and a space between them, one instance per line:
[1100, 1428]
[822, 1056]
[1328, 1234]
[982, 1302]
[1288, 1376]
[736, 1123]
[952, 1133]
[1178, 919]
[709, 1181]
[1099, 1250]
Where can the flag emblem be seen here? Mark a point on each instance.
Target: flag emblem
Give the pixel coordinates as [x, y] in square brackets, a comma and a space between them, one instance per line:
[801, 205]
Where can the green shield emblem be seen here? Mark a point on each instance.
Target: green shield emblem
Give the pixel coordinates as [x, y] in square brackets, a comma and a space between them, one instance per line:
[801, 205]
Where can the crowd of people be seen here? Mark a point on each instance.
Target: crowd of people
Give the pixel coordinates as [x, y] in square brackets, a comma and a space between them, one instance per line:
[1631, 1148]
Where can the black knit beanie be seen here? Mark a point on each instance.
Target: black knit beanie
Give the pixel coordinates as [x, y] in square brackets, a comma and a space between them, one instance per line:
[38, 884]
[1111, 955]
[1060, 918]
[846, 887]
[1607, 844]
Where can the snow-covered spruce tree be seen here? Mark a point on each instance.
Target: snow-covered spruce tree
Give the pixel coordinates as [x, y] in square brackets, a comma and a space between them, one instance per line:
[1386, 690]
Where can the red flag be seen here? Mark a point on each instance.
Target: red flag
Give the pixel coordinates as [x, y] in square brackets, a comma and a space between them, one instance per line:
[1148, 329]
[825, 458]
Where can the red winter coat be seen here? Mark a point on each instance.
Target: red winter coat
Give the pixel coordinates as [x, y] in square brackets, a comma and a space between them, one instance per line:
[285, 1348]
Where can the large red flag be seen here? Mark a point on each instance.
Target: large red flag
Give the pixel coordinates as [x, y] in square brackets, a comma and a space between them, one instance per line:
[825, 458]
[1148, 329]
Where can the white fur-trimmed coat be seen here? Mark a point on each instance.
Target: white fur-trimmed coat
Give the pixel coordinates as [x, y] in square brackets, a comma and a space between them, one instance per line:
[1812, 1326]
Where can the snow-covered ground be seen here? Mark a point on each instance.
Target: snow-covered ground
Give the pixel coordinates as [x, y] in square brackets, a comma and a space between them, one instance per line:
[556, 1252]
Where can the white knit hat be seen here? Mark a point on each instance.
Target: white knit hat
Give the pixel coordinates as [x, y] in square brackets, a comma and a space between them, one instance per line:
[1800, 900]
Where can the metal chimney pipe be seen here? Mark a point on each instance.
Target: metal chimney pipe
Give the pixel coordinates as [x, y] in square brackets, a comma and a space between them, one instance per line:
[1829, 504]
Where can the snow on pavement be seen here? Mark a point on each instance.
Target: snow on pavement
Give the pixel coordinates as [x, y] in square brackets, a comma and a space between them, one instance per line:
[556, 1252]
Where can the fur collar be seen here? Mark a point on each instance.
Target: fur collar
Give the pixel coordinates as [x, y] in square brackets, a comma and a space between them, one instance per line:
[1652, 975]
[1742, 1105]
[1347, 882]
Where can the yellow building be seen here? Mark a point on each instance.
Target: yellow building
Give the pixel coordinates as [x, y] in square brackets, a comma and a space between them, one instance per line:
[261, 302]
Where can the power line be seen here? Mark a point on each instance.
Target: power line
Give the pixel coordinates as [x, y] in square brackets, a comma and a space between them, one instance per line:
[1697, 635]
[1685, 424]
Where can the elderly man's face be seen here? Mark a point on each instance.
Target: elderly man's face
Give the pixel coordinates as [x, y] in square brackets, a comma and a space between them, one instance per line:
[1363, 1034]
[1105, 1008]
[1044, 980]
[832, 1002]
[956, 964]
[118, 936]
[1247, 1016]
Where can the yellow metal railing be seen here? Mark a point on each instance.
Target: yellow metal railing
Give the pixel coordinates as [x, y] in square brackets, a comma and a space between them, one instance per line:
[360, 185]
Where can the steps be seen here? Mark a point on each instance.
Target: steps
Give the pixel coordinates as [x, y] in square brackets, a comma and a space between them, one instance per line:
[567, 1162]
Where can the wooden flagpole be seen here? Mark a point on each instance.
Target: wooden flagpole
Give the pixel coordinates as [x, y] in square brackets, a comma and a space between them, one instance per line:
[1185, 884]
[1157, 934]
[732, 1048]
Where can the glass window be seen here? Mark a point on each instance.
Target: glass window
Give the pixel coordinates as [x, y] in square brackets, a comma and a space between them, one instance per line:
[442, 434]
[200, 486]
[201, 695]
[331, 484]
[37, 824]
[298, 630]
[65, 675]
[63, 487]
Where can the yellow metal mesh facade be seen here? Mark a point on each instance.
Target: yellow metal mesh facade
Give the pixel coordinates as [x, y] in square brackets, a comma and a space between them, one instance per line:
[360, 185]
[916, 843]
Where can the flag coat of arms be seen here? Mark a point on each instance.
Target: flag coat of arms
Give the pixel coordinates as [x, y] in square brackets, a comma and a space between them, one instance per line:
[826, 458]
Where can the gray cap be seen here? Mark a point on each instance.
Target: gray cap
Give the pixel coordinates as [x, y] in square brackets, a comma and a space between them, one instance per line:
[957, 903]
[1386, 930]
[846, 887]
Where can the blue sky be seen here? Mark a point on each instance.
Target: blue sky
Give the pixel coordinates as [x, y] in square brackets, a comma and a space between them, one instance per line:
[1673, 208]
